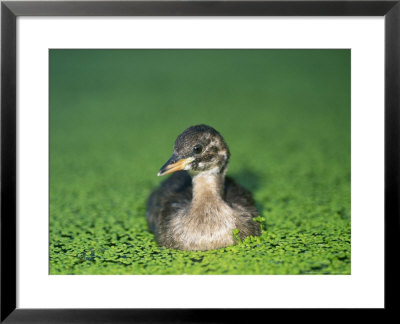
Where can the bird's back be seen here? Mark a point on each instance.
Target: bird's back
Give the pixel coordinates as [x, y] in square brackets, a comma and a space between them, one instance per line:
[172, 195]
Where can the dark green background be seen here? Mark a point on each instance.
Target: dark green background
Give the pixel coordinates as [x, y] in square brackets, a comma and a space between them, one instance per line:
[115, 114]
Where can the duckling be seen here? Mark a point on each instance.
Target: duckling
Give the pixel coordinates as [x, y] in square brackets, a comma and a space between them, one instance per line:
[197, 207]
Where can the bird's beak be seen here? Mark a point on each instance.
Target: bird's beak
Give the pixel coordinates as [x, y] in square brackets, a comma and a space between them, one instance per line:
[174, 164]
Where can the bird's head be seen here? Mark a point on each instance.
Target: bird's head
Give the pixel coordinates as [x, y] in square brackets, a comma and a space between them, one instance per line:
[198, 149]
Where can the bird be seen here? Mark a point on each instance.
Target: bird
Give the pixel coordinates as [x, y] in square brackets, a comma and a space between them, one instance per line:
[198, 208]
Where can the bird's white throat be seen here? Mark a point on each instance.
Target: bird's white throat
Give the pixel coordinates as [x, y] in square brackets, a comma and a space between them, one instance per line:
[207, 187]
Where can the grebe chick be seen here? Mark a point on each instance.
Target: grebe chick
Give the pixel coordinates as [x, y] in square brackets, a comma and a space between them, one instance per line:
[197, 208]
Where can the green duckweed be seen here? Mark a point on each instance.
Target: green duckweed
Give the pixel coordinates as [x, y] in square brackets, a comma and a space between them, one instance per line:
[114, 116]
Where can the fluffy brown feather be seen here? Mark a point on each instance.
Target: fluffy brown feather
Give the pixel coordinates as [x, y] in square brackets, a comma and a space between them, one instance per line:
[200, 209]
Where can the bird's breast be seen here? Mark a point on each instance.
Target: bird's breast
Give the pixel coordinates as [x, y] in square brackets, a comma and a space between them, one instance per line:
[206, 226]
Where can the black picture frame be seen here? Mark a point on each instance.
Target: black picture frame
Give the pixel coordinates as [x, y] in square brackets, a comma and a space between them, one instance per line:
[10, 10]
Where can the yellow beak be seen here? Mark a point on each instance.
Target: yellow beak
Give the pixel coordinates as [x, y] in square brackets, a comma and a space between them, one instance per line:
[174, 164]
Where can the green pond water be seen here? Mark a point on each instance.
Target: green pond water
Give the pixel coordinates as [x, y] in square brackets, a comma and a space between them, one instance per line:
[115, 114]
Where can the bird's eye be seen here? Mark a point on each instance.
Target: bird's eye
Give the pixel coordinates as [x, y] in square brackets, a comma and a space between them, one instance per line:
[197, 149]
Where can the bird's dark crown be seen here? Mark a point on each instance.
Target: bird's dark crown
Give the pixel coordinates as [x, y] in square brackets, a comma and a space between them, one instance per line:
[197, 149]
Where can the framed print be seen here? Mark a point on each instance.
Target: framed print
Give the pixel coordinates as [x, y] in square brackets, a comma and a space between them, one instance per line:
[273, 128]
